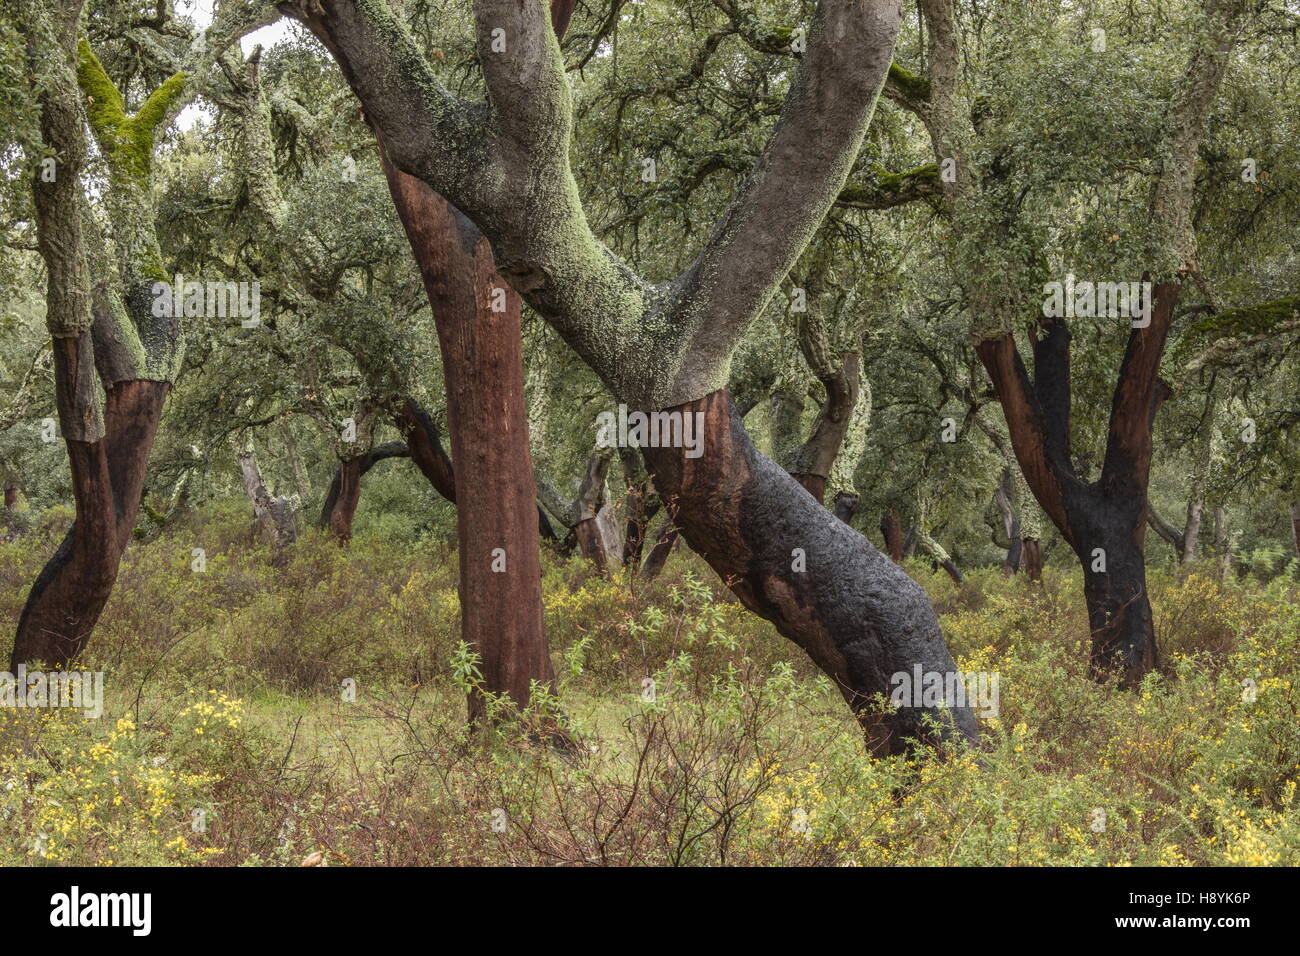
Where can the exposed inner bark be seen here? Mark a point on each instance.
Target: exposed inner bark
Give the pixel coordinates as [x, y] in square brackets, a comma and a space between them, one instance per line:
[858, 615]
[478, 321]
[107, 484]
[892, 531]
[344, 505]
[1032, 553]
[333, 514]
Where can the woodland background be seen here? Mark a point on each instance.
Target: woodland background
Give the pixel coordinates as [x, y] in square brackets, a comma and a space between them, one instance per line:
[329, 554]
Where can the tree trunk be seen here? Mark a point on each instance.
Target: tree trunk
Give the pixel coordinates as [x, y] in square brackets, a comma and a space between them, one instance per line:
[274, 515]
[107, 483]
[1109, 514]
[1295, 527]
[1114, 588]
[1032, 557]
[341, 501]
[893, 534]
[846, 506]
[658, 557]
[858, 616]
[391, 449]
[1222, 542]
[640, 506]
[1192, 529]
[11, 497]
[478, 321]
[1162, 527]
[425, 447]
[1010, 524]
[596, 528]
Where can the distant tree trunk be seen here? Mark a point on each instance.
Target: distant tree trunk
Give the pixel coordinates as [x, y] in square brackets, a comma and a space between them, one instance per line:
[11, 497]
[334, 495]
[640, 506]
[342, 499]
[658, 557]
[478, 321]
[750, 520]
[1222, 542]
[1167, 531]
[1192, 529]
[596, 527]
[1201, 478]
[1010, 524]
[1295, 527]
[1032, 558]
[107, 483]
[909, 542]
[846, 506]
[425, 447]
[275, 516]
[892, 531]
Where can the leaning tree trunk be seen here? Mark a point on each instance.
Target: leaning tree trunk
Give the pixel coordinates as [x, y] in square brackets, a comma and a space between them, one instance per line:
[478, 321]
[858, 615]
[107, 483]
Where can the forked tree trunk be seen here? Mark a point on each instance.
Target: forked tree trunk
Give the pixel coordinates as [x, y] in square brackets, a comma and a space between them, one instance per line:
[107, 482]
[478, 321]
[1109, 514]
[857, 614]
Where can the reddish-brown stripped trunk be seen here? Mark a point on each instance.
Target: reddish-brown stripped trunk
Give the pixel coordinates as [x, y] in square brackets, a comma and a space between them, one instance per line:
[478, 321]
[892, 530]
[342, 502]
[1032, 558]
[107, 481]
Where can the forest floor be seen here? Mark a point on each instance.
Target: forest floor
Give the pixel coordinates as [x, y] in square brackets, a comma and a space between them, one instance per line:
[257, 714]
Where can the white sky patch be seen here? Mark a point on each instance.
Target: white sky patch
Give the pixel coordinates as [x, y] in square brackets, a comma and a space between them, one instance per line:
[266, 37]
